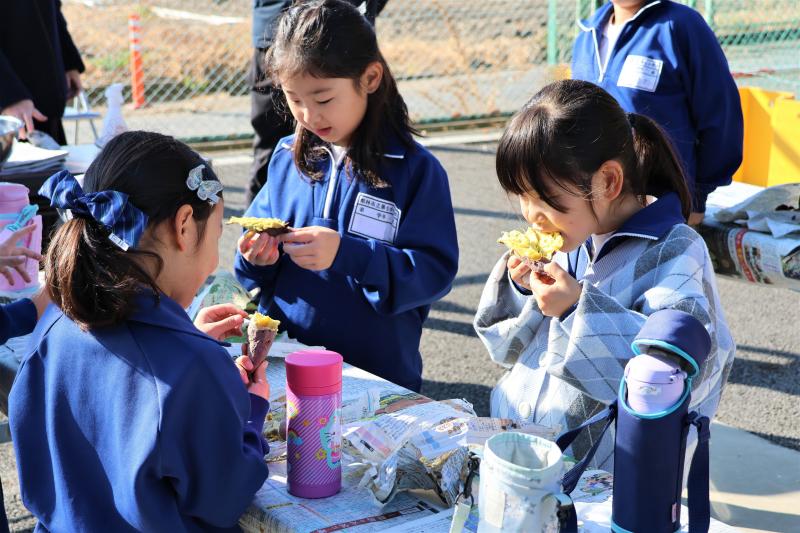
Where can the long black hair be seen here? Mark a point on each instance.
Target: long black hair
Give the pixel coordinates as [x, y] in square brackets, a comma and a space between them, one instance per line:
[331, 39]
[568, 130]
[91, 279]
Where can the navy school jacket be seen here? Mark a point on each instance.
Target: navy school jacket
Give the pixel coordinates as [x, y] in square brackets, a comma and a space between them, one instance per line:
[398, 254]
[16, 319]
[668, 65]
[144, 426]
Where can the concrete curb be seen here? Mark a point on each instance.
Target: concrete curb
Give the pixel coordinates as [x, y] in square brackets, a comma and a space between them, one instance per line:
[755, 485]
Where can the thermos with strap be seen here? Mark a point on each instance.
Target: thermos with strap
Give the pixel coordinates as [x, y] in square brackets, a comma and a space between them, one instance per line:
[652, 425]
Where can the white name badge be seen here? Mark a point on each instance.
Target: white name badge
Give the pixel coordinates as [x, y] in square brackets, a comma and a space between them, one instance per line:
[374, 218]
[640, 72]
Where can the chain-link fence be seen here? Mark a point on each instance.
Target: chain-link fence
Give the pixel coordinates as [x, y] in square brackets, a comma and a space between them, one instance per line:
[456, 60]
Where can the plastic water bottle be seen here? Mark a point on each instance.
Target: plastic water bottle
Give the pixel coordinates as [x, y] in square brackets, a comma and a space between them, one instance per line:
[113, 123]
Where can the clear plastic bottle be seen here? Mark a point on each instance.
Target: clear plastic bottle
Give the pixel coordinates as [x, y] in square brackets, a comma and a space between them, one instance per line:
[113, 123]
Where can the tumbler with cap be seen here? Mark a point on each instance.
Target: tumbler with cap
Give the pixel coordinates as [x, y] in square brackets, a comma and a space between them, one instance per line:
[313, 410]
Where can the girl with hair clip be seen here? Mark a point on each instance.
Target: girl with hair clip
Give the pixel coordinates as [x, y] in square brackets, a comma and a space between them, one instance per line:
[611, 184]
[374, 238]
[126, 416]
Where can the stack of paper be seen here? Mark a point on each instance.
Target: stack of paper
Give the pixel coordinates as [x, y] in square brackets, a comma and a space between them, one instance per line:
[27, 158]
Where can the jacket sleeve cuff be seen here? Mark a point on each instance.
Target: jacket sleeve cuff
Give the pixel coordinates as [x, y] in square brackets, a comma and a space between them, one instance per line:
[519, 290]
[252, 276]
[353, 257]
[699, 201]
[568, 312]
[20, 319]
[259, 407]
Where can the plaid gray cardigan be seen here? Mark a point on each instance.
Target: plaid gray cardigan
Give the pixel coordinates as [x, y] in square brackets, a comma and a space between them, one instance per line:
[563, 372]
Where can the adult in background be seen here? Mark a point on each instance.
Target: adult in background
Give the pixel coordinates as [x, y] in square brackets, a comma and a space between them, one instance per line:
[270, 123]
[39, 65]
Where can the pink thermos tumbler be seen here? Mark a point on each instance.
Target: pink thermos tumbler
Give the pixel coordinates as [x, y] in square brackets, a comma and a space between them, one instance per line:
[16, 213]
[313, 411]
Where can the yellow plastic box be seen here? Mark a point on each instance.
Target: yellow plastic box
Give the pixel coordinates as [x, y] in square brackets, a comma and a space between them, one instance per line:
[771, 137]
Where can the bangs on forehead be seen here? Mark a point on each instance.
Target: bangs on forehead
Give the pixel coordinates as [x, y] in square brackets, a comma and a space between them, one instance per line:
[287, 64]
[523, 155]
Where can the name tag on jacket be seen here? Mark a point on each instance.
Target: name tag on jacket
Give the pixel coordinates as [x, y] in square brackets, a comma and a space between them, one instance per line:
[374, 218]
[640, 72]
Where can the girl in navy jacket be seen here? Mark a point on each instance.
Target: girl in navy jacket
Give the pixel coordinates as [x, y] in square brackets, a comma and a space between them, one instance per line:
[125, 416]
[374, 242]
[659, 58]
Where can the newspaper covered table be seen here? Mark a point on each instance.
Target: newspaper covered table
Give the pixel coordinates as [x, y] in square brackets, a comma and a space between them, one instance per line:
[356, 508]
[744, 254]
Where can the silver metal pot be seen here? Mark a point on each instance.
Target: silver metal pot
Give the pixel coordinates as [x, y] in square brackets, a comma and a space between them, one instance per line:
[9, 129]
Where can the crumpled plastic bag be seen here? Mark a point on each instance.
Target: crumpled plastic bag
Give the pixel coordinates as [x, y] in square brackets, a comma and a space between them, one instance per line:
[775, 210]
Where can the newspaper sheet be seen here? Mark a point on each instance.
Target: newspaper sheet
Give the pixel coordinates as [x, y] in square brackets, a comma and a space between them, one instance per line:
[413, 447]
[592, 499]
[275, 510]
[754, 256]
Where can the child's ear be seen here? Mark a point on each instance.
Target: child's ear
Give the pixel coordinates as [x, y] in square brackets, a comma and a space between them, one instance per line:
[184, 230]
[371, 79]
[610, 179]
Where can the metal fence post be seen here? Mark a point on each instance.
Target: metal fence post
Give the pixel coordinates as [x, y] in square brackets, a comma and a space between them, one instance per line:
[709, 13]
[585, 8]
[552, 32]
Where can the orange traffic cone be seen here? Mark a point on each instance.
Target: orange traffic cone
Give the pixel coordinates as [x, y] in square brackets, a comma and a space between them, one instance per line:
[137, 69]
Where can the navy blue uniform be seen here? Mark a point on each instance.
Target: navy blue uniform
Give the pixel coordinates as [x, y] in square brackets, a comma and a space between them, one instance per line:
[398, 254]
[668, 65]
[143, 426]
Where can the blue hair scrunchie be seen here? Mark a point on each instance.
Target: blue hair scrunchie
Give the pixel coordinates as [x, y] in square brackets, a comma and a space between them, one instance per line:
[112, 209]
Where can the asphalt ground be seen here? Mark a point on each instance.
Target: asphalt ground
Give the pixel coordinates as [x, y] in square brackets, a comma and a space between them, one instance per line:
[764, 385]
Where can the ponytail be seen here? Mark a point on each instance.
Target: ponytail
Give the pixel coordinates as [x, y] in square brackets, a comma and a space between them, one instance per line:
[90, 278]
[565, 133]
[657, 163]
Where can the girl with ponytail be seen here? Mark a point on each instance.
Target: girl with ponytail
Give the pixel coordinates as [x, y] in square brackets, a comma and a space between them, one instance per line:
[611, 185]
[125, 416]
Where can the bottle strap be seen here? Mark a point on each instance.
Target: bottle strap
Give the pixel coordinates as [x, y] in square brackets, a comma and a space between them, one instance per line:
[699, 502]
[566, 513]
[571, 478]
[567, 516]
[465, 500]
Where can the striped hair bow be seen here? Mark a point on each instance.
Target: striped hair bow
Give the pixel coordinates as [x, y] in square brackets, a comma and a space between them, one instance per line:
[112, 209]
